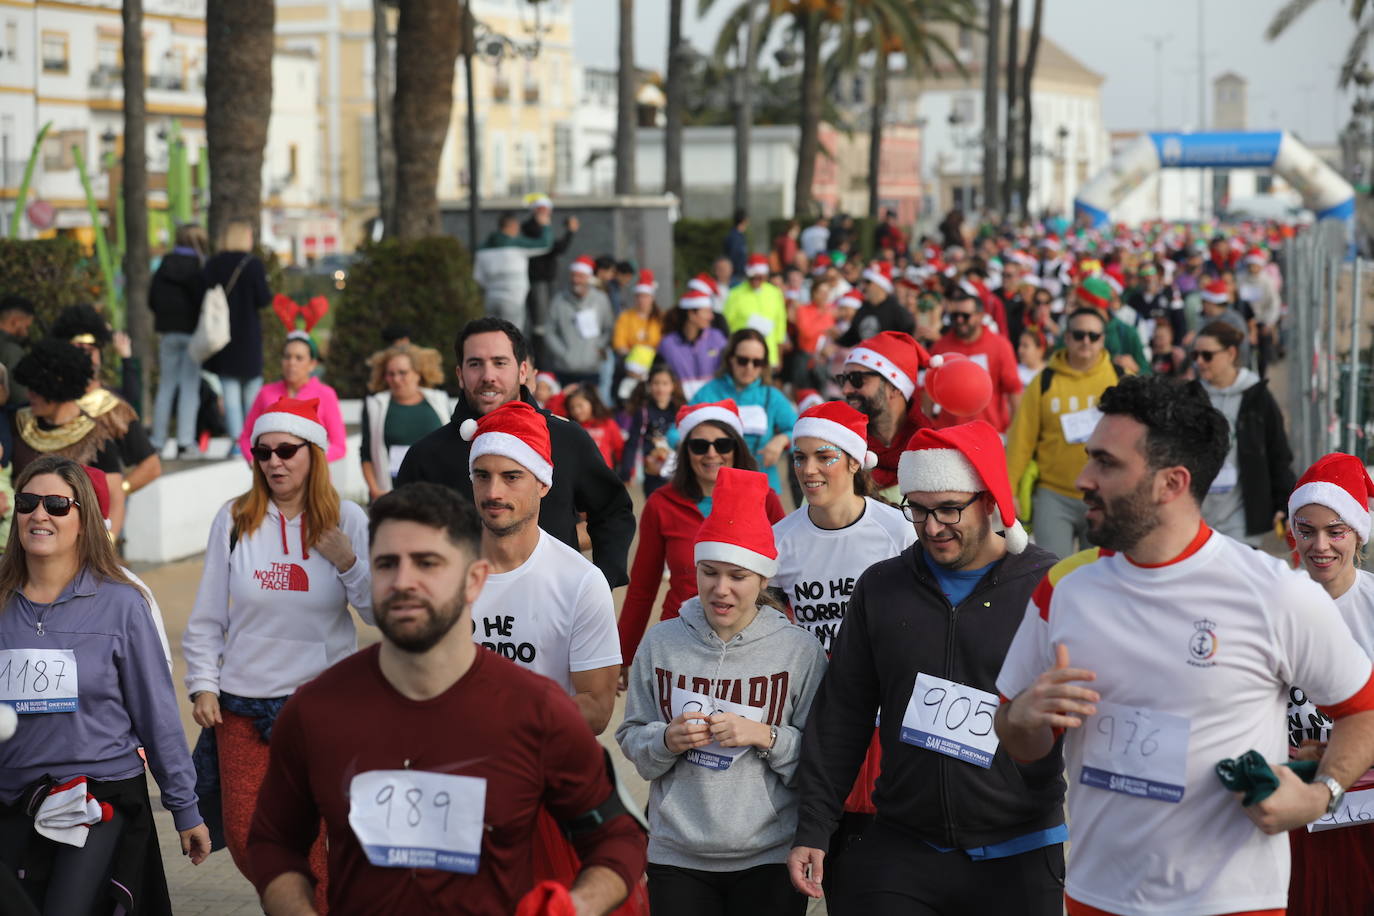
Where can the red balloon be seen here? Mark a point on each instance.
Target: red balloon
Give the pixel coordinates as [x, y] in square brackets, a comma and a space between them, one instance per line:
[960, 386]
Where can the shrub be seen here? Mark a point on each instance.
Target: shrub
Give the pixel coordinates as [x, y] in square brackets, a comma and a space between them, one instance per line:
[51, 273]
[696, 243]
[425, 283]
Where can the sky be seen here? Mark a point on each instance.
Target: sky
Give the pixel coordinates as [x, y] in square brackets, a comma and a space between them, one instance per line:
[1292, 81]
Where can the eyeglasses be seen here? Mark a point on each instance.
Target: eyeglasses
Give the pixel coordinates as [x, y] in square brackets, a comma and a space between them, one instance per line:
[1204, 355]
[1081, 336]
[855, 379]
[945, 515]
[723, 446]
[57, 506]
[744, 362]
[262, 454]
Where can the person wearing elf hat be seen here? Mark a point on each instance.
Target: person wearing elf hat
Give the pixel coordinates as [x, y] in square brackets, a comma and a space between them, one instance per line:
[880, 380]
[1333, 871]
[453, 732]
[282, 566]
[300, 357]
[1123, 343]
[759, 304]
[880, 310]
[961, 827]
[501, 268]
[967, 335]
[579, 328]
[718, 699]
[1170, 623]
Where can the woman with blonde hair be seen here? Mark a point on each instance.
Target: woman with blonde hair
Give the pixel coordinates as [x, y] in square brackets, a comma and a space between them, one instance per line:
[76, 821]
[404, 406]
[239, 365]
[284, 562]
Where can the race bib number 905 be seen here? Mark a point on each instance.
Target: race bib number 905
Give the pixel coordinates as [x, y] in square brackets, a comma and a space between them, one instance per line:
[951, 719]
[38, 680]
[415, 819]
[1136, 751]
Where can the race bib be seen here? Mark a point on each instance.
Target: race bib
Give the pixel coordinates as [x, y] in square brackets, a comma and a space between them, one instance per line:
[712, 756]
[754, 419]
[587, 325]
[1355, 810]
[951, 719]
[1079, 425]
[395, 454]
[1226, 479]
[1250, 292]
[763, 325]
[415, 819]
[1136, 751]
[979, 359]
[38, 680]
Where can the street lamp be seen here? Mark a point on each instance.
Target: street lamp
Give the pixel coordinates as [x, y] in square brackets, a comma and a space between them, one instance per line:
[1062, 163]
[956, 121]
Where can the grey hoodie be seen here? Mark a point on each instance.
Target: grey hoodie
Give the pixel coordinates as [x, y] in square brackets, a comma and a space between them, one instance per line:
[745, 816]
[1225, 511]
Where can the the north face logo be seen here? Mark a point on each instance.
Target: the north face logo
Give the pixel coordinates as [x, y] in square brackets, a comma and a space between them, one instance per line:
[283, 577]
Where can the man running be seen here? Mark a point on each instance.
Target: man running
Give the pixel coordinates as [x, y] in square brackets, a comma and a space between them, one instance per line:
[429, 758]
[1163, 651]
[880, 381]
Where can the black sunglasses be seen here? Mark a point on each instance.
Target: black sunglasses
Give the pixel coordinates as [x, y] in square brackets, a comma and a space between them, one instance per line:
[723, 446]
[855, 379]
[744, 362]
[262, 454]
[958, 316]
[1204, 355]
[1081, 336]
[57, 506]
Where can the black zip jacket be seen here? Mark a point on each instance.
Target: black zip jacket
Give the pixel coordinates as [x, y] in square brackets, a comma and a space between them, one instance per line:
[900, 624]
[582, 482]
[1265, 458]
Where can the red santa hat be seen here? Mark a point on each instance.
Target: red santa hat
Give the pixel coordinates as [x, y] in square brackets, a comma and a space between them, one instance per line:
[1257, 256]
[808, 398]
[897, 356]
[851, 299]
[646, 282]
[1341, 483]
[756, 266]
[583, 265]
[296, 418]
[704, 283]
[690, 416]
[515, 430]
[737, 530]
[1216, 291]
[968, 458]
[841, 425]
[695, 299]
[548, 378]
[880, 272]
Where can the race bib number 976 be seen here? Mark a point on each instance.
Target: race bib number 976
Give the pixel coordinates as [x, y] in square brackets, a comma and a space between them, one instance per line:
[1136, 751]
[951, 719]
[415, 819]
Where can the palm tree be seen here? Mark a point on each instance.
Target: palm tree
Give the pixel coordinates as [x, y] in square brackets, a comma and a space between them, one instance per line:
[1010, 134]
[383, 86]
[428, 35]
[1027, 115]
[138, 316]
[625, 103]
[677, 98]
[1359, 39]
[238, 105]
[991, 69]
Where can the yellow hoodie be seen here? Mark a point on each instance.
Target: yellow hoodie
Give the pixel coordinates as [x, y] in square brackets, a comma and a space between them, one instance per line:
[1036, 431]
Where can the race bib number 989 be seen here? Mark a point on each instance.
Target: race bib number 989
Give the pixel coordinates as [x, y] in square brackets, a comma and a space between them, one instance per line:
[415, 819]
[951, 719]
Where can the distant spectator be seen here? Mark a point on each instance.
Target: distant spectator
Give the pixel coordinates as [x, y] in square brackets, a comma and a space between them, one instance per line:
[544, 268]
[692, 345]
[736, 246]
[759, 305]
[300, 357]
[580, 323]
[404, 405]
[586, 409]
[174, 298]
[239, 365]
[397, 335]
[651, 410]
[785, 246]
[815, 238]
[502, 269]
[889, 235]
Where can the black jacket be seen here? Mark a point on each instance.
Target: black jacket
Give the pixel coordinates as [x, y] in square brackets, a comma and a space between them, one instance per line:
[900, 624]
[176, 293]
[544, 269]
[242, 358]
[870, 319]
[1265, 458]
[582, 482]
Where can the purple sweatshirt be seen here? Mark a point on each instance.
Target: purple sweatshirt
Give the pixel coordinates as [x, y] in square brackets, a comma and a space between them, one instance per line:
[125, 697]
[694, 363]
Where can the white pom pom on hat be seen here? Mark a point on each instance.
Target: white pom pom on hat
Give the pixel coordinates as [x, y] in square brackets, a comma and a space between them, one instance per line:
[468, 429]
[517, 431]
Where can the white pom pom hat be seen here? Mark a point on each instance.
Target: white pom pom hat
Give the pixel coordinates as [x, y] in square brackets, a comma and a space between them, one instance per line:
[515, 430]
[295, 418]
[1341, 483]
[840, 425]
[725, 412]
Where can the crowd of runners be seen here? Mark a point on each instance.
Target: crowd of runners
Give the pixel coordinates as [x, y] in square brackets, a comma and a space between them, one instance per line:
[954, 553]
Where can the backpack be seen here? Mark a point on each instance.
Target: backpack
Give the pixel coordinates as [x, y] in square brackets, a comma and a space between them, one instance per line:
[212, 328]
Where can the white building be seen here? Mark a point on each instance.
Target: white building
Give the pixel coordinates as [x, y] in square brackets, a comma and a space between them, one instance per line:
[708, 169]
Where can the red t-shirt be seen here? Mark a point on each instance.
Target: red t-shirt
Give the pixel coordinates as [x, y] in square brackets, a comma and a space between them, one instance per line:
[812, 320]
[511, 727]
[993, 353]
[608, 438]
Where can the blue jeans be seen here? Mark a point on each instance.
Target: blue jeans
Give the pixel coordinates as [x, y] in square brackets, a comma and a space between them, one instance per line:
[239, 394]
[179, 378]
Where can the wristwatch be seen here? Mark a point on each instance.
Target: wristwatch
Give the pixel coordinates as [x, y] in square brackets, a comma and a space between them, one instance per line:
[764, 752]
[1336, 792]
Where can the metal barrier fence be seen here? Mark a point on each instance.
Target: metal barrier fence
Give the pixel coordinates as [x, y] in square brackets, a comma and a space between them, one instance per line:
[1329, 402]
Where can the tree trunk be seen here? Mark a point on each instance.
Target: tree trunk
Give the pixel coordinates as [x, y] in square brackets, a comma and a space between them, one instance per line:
[1027, 114]
[238, 105]
[809, 143]
[383, 90]
[744, 107]
[877, 115]
[138, 316]
[991, 71]
[677, 102]
[625, 182]
[428, 35]
[1010, 186]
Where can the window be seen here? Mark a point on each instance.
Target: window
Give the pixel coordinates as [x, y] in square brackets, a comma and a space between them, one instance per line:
[962, 109]
[107, 53]
[57, 149]
[11, 48]
[563, 155]
[54, 49]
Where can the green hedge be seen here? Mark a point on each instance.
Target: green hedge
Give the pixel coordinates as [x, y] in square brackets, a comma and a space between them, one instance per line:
[696, 243]
[425, 283]
[51, 273]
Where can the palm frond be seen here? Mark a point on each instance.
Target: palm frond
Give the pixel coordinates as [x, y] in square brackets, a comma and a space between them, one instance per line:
[1355, 53]
[1287, 14]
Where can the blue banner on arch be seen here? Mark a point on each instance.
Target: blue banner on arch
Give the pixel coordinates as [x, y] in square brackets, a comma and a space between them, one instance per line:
[1217, 150]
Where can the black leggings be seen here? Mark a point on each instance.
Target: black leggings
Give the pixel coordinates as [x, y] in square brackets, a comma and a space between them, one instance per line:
[79, 883]
[764, 890]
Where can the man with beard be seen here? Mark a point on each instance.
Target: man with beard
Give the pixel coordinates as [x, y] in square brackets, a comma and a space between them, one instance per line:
[544, 606]
[1182, 644]
[879, 381]
[969, 336]
[428, 757]
[960, 827]
[493, 369]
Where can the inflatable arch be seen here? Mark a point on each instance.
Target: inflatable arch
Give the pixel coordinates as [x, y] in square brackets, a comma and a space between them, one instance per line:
[1323, 190]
